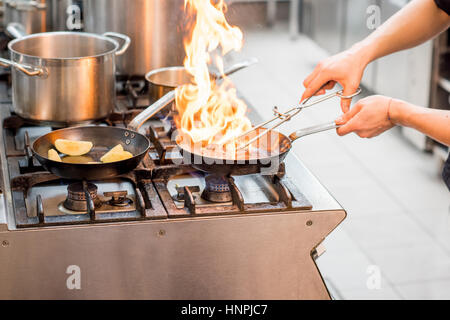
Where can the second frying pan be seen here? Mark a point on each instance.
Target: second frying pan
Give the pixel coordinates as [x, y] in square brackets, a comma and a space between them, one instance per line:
[268, 152]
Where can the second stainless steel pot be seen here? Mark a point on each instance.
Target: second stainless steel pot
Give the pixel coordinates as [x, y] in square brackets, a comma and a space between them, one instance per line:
[164, 80]
[64, 77]
[32, 15]
[154, 26]
[38, 16]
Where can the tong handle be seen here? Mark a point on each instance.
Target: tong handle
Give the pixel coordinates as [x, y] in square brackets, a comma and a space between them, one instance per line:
[288, 115]
[339, 94]
[325, 126]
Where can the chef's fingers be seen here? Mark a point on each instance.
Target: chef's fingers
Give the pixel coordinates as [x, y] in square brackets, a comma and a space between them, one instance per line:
[321, 92]
[309, 78]
[346, 117]
[349, 89]
[316, 72]
[315, 84]
[330, 85]
[347, 128]
[348, 121]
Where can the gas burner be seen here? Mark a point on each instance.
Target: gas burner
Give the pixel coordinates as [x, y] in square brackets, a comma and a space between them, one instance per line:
[217, 189]
[118, 198]
[76, 196]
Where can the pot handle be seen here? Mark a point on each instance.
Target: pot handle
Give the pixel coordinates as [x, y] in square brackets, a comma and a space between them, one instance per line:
[16, 30]
[125, 38]
[26, 69]
[137, 122]
[312, 130]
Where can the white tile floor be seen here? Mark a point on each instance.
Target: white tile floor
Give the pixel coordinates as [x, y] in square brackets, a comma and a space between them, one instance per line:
[397, 204]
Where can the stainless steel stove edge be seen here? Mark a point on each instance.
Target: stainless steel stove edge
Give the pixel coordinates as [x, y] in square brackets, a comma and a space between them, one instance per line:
[257, 256]
[7, 218]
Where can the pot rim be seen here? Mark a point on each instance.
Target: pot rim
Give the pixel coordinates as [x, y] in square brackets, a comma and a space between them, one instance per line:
[160, 70]
[83, 34]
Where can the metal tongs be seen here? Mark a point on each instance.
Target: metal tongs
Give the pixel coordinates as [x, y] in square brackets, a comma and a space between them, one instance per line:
[288, 115]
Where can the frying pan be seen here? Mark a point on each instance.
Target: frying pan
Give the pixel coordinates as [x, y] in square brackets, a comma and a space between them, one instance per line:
[268, 152]
[103, 138]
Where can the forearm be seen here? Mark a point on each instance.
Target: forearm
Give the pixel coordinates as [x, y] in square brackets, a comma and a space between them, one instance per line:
[432, 122]
[416, 23]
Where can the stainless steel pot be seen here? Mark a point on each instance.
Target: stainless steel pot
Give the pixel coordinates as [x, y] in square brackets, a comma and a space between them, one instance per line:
[31, 14]
[164, 80]
[155, 27]
[62, 78]
[44, 15]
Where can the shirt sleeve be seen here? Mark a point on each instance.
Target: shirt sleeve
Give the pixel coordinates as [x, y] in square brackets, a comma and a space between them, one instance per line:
[443, 5]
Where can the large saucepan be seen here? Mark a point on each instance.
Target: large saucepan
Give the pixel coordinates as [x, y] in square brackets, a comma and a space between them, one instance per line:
[63, 78]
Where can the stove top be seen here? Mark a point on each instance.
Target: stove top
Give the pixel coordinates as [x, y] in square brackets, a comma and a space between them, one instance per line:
[160, 188]
[162, 231]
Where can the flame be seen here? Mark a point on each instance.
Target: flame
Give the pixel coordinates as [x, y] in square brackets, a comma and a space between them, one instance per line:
[210, 112]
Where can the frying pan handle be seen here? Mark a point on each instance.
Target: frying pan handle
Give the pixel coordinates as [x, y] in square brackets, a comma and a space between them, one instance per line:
[137, 122]
[312, 130]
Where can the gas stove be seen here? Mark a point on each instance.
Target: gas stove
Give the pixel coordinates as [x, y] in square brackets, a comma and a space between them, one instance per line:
[164, 230]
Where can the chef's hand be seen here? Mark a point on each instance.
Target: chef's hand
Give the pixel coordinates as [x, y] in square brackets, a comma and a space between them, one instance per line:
[346, 68]
[368, 118]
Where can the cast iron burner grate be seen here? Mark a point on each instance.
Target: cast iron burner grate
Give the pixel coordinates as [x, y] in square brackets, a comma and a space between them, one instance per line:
[289, 197]
[150, 198]
[85, 207]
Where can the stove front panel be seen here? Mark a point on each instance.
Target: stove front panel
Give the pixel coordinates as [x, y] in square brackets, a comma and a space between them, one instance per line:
[236, 257]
